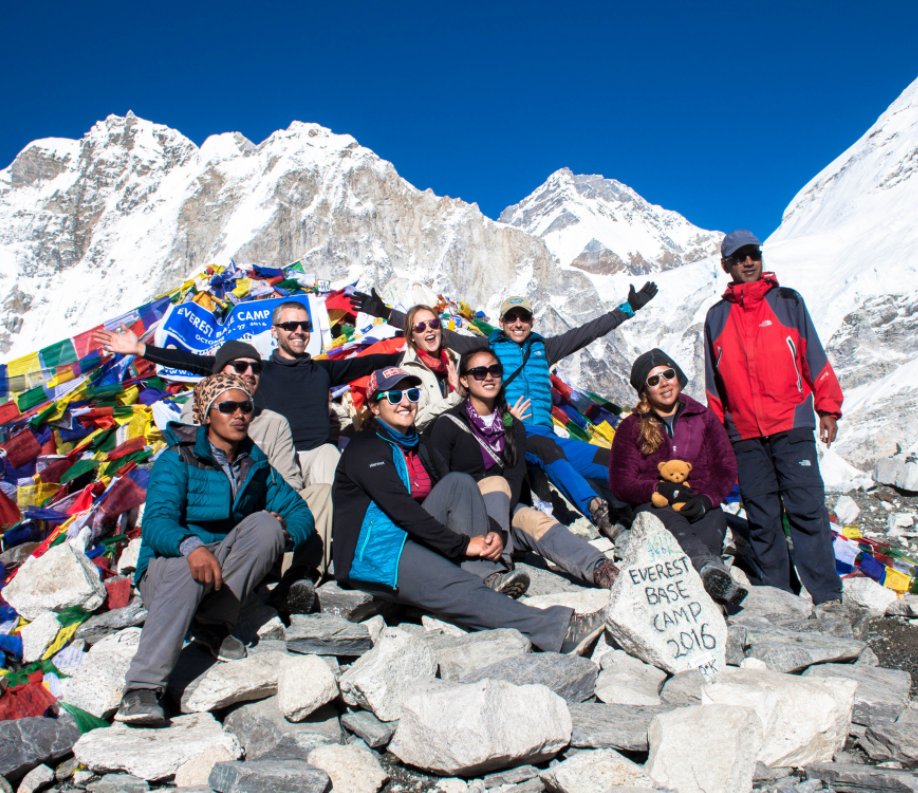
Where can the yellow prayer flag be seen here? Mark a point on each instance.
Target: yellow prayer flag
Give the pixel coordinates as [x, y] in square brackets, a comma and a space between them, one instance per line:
[64, 635]
[852, 532]
[25, 365]
[896, 580]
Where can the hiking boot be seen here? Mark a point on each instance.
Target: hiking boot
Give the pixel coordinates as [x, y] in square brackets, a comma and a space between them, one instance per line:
[219, 642]
[140, 708]
[513, 583]
[719, 584]
[605, 573]
[582, 631]
[599, 514]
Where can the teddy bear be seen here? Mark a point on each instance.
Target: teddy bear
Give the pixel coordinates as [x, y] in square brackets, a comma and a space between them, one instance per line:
[675, 489]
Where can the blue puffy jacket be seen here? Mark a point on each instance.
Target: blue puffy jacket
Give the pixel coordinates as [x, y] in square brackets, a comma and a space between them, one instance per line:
[533, 378]
[189, 495]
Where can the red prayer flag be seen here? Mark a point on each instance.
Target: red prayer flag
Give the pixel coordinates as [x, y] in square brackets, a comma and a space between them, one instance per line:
[22, 448]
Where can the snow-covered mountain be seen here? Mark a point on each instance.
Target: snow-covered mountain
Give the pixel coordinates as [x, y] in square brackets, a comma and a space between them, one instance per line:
[91, 228]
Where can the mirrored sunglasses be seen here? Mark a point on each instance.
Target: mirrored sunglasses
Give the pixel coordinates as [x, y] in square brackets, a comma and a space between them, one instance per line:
[241, 367]
[654, 379]
[740, 256]
[420, 327]
[304, 325]
[496, 371]
[395, 395]
[228, 406]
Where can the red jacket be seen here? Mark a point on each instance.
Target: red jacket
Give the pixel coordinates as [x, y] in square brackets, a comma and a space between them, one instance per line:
[764, 363]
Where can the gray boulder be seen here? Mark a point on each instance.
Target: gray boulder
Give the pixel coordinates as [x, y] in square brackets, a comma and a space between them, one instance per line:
[98, 626]
[897, 740]
[350, 768]
[460, 655]
[224, 684]
[626, 680]
[351, 604]
[787, 650]
[373, 732]
[881, 695]
[622, 727]
[262, 730]
[571, 677]
[855, 778]
[326, 634]
[98, 683]
[268, 776]
[595, 771]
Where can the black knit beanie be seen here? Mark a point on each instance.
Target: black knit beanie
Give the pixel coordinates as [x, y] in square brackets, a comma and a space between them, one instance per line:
[232, 350]
[647, 361]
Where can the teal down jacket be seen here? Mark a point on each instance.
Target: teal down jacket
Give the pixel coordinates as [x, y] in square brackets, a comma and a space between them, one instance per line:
[190, 495]
[533, 380]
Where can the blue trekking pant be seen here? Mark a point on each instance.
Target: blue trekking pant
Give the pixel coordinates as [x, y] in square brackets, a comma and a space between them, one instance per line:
[568, 463]
[782, 471]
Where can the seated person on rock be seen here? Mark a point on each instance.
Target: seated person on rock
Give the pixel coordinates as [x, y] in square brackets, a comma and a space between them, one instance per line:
[217, 519]
[428, 546]
[480, 437]
[667, 426]
[527, 357]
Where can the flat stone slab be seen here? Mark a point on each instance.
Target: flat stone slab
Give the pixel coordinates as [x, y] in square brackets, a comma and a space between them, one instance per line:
[98, 626]
[659, 610]
[463, 654]
[851, 778]
[327, 634]
[571, 677]
[881, 695]
[897, 740]
[373, 732]
[119, 783]
[224, 684]
[26, 743]
[261, 729]
[626, 680]
[268, 776]
[622, 727]
[352, 604]
[786, 650]
[472, 728]
[683, 689]
[304, 684]
[774, 604]
[350, 768]
[153, 754]
[595, 770]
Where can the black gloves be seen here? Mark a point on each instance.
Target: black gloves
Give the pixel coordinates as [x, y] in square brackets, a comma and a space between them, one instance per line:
[638, 300]
[695, 508]
[371, 304]
[673, 492]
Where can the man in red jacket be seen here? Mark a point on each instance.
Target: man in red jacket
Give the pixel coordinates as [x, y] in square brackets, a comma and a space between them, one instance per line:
[765, 374]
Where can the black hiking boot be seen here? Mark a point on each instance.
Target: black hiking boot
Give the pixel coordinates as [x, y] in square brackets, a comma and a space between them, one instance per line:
[513, 583]
[219, 642]
[582, 631]
[719, 584]
[140, 708]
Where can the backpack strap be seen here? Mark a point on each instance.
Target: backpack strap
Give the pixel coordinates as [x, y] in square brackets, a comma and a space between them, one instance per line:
[465, 428]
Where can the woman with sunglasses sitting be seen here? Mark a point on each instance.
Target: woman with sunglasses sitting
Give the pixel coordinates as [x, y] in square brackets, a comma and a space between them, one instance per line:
[669, 425]
[404, 538]
[481, 438]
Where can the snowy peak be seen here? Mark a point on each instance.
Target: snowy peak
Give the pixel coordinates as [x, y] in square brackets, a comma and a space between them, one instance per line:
[603, 227]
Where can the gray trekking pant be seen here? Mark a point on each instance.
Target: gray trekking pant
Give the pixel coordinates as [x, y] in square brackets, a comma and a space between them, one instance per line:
[173, 598]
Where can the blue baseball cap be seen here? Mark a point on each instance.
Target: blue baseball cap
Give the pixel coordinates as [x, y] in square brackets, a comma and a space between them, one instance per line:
[736, 240]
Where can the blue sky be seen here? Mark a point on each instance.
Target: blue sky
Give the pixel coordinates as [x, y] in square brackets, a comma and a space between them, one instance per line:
[721, 111]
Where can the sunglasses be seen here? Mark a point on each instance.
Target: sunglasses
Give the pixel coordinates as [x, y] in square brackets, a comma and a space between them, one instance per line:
[496, 371]
[241, 367]
[304, 325]
[517, 315]
[396, 394]
[666, 374]
[740, 256]
[420, 327]
[228, 406]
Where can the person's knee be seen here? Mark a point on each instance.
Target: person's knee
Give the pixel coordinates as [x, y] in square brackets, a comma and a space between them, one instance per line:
[533, 522]
[264, 530]
[494, 484]
[460, 482]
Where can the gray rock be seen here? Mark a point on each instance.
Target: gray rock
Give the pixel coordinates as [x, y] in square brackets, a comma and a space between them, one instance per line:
[705, 748]
[461, 655]
[683, 688]
[58, 579]
[257, 622]
[736, 644]
[373, 732]
[326, 634]
[869, 595]
[659, 611]
[304, 684]
[98, 683]
[350, 768]
[882, 694]
[253, 677]
[65, 768]
[628, 681]
[774, 604]
[804, 720]
[15, 556]
[119, 783]
[510, 776]
[851, 778]
[900, 470]
[473, 728]
[37, 779]
[269, 776]
[98, 626]
[261, 729]
[351, 604]
[786, 650]
[595, 771]
[127, 561]
[25, 743]
[380, 679]
[622, 727]
[896, 740]
[153, 754]
[571, 677]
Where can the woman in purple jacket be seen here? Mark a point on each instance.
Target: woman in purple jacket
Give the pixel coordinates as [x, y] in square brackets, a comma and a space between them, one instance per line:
[668, 425]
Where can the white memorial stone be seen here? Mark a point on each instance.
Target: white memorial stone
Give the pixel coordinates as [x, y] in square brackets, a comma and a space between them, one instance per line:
[659, 610]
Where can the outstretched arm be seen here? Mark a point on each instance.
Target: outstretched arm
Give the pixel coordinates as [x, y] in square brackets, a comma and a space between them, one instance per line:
[126, 342]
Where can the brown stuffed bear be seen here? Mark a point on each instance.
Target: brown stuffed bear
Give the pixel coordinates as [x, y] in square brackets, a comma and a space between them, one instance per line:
[674, 473]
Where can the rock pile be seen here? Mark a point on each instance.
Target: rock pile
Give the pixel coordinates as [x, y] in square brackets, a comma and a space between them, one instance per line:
[780, 701]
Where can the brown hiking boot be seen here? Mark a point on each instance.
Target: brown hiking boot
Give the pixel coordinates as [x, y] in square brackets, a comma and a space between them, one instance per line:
[605, 573]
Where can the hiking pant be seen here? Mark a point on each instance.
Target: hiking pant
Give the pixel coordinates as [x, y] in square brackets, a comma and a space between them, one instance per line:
[532, 530]
[782, 470]
[318, 465]
[173, 598]
[702, 541]
[436, 585]
[569, 463]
